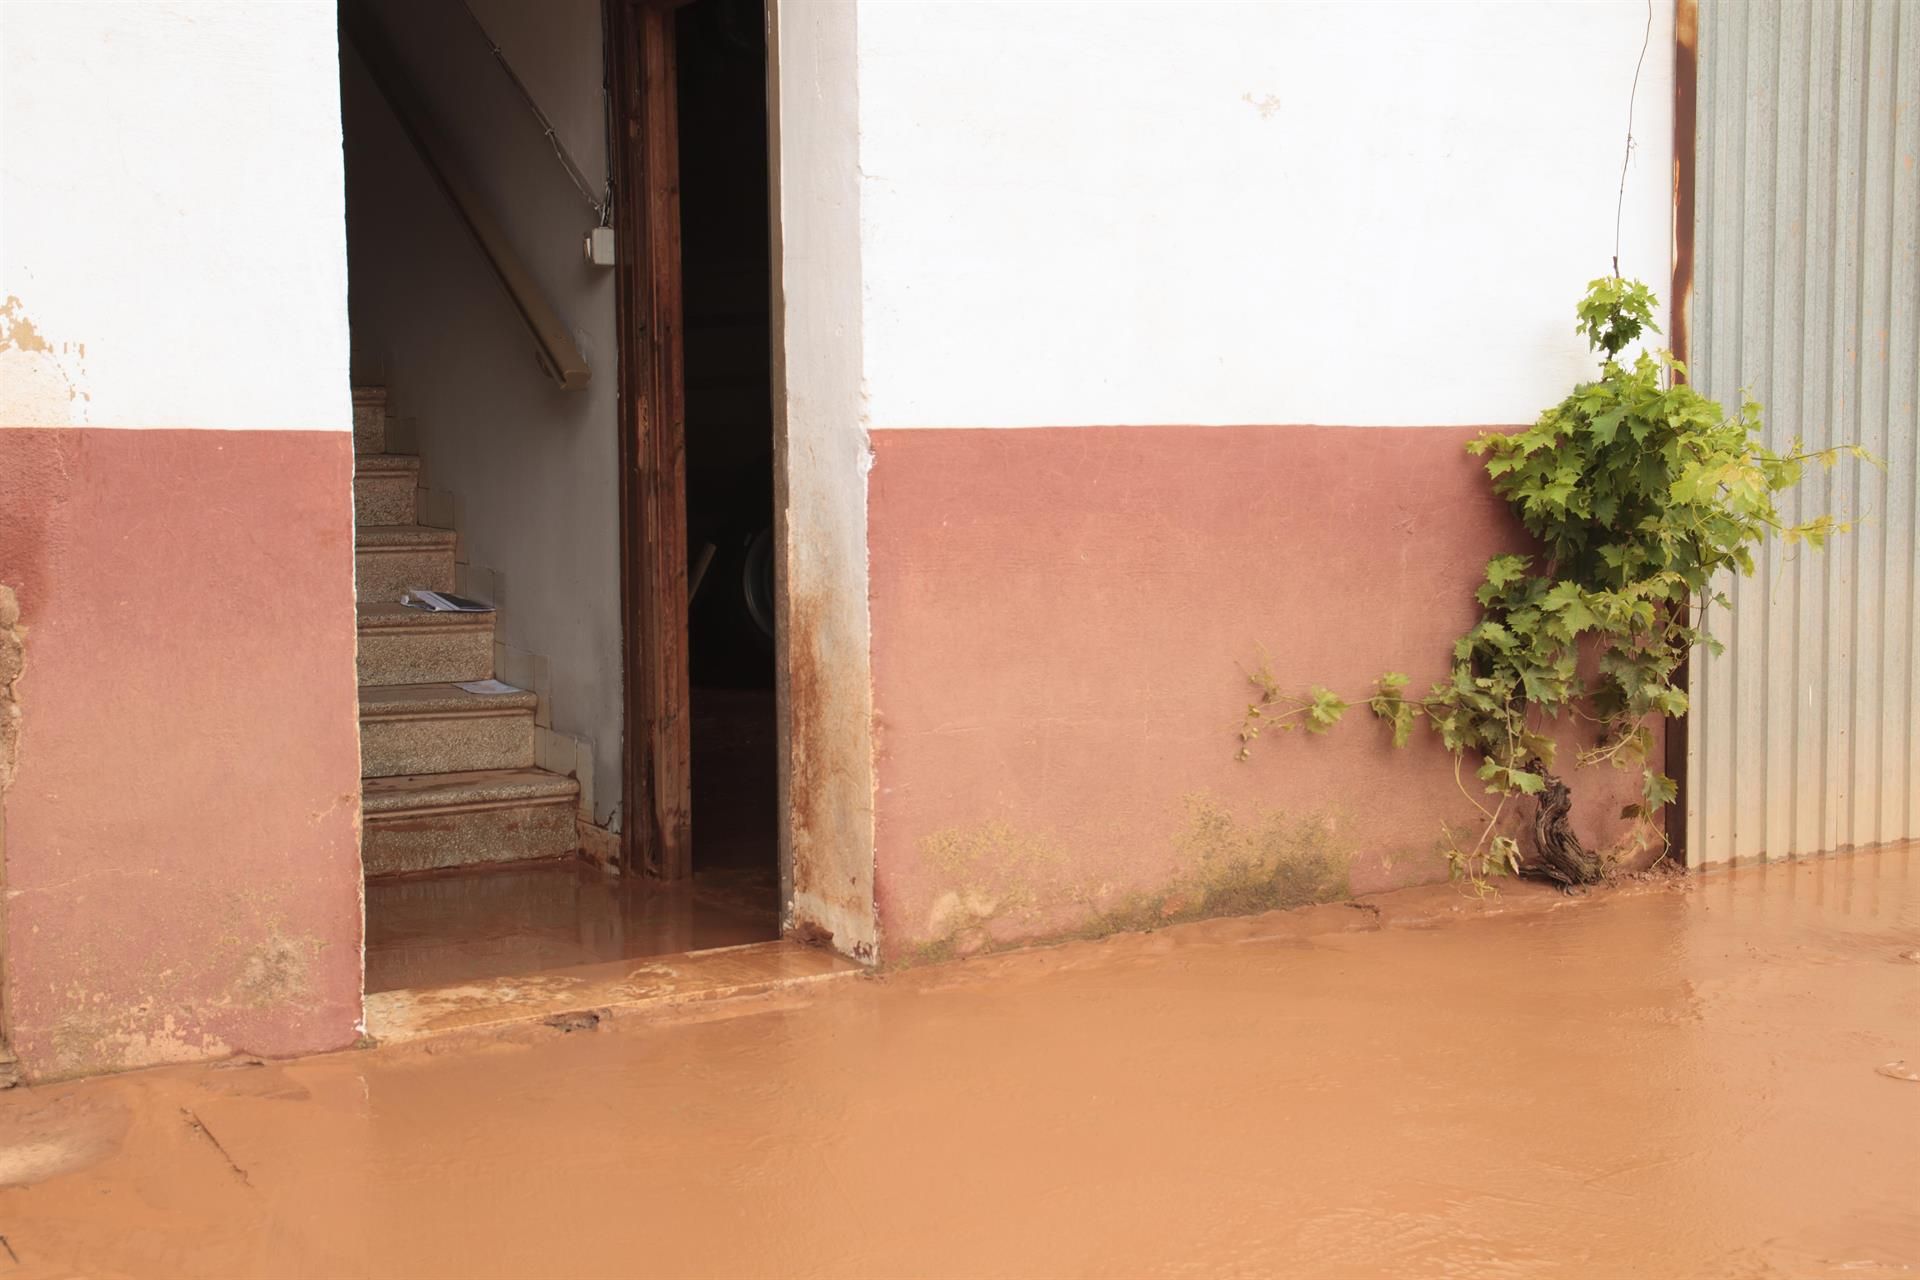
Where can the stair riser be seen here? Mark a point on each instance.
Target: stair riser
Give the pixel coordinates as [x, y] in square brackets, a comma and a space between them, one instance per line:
[383, 499]
[369, 424]
[427, 655]
[445, 744]
[384, 574]
[426, 841]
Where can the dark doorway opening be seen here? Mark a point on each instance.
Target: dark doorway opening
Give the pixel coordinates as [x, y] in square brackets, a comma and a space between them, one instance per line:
[720, 48]
[692, 218]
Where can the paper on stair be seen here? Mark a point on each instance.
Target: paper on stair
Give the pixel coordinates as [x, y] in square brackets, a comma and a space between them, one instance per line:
[443, 602]
[488, 686]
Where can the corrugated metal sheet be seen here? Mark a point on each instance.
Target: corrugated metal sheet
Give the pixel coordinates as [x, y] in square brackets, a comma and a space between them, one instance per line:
[1802, 735]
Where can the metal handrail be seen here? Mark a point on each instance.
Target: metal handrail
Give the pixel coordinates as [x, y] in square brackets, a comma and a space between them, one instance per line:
[559, 355]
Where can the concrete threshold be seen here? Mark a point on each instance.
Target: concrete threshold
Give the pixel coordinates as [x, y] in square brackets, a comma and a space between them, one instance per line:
[580, 997]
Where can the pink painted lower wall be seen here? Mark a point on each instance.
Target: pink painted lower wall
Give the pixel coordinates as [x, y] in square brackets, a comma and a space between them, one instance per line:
[181, 851]
[1062, 624]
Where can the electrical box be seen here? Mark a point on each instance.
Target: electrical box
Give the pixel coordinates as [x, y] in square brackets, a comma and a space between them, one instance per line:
[599, 246]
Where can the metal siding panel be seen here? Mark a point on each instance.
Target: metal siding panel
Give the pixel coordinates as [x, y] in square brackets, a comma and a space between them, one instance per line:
[1896, 344]
[1814, 494]
[1784, 374]
[1870, 363]
[1754, 326]
[1807, 236]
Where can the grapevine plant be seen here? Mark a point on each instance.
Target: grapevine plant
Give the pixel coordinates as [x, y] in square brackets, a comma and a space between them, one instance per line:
[1637, 491]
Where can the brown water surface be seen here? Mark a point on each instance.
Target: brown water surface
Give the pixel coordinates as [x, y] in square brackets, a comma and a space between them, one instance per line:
[495, 922]
[1668, 1081]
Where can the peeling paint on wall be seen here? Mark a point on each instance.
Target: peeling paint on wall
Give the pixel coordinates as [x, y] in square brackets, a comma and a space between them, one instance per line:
[13, 639]
[40, 381]
[255, 967]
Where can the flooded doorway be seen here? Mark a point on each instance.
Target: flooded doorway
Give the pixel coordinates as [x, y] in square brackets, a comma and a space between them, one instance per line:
[480, 147]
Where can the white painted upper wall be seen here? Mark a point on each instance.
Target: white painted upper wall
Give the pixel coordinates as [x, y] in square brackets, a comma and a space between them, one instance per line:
[1177, 212]
[172, 225]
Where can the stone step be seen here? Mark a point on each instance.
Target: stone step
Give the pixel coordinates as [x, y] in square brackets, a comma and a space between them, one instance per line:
[442, 728]
[369, 419]
[418, 822]
[389, 559]
[383, 488]
[399, 645]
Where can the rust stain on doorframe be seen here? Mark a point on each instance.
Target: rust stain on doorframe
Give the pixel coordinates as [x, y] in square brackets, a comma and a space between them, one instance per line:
[827, 729]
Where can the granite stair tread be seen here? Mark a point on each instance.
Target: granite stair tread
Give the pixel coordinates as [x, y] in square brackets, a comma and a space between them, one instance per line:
[478, 788]
[408, 537]
[369, 419]
[402, 646]
[384, 614]
[440, 699]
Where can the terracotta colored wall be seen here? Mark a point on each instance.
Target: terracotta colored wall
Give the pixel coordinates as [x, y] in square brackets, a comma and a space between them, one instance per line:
[181, 833]
[1061, 623]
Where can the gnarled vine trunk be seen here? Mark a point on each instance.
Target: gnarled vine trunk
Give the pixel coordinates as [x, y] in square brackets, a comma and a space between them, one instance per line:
[1557, 852]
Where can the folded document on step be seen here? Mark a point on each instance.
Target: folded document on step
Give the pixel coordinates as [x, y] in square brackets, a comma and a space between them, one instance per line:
[443, 602]
[488, 686]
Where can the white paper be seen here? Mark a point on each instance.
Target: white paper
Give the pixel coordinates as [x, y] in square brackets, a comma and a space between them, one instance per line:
[488, 686]
[443, 602]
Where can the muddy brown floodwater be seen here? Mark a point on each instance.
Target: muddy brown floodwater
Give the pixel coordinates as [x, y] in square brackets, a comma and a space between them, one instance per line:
[1685, 1080]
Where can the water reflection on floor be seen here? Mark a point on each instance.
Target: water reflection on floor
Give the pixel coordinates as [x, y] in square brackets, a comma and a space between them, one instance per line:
[445, 928]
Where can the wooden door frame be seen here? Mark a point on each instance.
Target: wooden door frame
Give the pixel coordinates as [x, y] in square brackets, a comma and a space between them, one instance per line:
[1686, 107]
[656, 765]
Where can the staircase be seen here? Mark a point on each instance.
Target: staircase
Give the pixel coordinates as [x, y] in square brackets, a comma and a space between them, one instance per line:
[447, 776]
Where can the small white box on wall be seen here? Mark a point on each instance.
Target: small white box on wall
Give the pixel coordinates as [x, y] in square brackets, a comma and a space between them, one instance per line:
[599, 246]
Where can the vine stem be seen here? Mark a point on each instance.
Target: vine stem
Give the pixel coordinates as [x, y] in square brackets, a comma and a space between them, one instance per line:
[1490, 816]
[1488, 830]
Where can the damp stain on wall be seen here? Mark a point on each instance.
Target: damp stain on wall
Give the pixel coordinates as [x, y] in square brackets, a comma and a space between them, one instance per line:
[255, 969]
[13, 657]
[13, 640]
[1004, 886]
